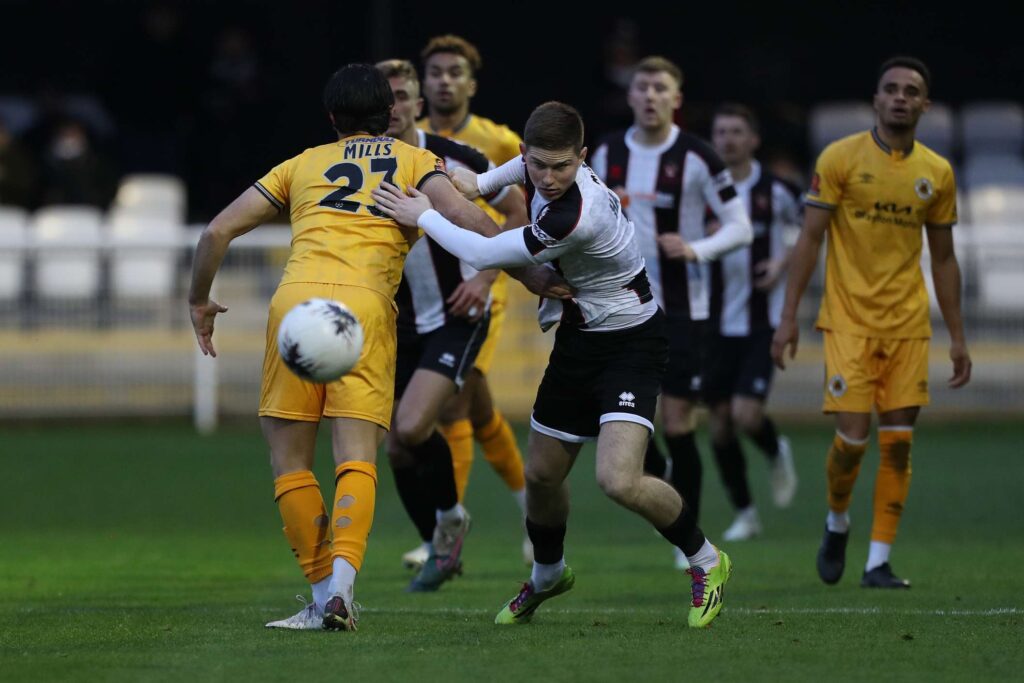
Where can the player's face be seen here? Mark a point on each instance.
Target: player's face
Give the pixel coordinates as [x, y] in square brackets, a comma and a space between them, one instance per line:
[653, 97]
[734, 139]
[448, 83]
[551, 171]
[901, 98]
[408, 105]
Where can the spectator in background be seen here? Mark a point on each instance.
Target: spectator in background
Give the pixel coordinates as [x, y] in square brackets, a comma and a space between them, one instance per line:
[74, 171]
[19, 174]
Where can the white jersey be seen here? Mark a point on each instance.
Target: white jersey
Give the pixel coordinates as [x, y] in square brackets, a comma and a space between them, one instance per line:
[738, 306]
[669, 188]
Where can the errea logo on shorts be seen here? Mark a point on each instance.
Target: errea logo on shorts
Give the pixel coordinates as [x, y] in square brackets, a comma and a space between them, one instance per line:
[447, 359]
[626, 398]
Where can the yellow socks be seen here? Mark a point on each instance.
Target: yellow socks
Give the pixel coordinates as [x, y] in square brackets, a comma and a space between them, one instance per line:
[893, 481]
[843, 466]
[354, 497]
[502, 451]
[459, 435]
[305, 522]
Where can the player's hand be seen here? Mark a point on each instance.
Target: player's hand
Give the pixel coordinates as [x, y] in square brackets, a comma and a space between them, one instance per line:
[464, 181]
[961, 365]
[621, 193]
[469, 300]
[787, 334]
[543, 281]
[768, 273]
[674, 247]
[405, 209]
[202, 322]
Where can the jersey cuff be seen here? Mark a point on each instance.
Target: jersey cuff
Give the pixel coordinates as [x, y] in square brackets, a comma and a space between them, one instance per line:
[428, 176]
[278, 204]
[819, 204]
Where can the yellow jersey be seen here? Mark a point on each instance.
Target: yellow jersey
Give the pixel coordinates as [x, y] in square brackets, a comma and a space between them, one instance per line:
[338, 234]
[880, 198]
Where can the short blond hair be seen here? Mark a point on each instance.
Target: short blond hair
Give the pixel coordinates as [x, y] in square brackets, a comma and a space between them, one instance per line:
[657, 64]
[398, 68]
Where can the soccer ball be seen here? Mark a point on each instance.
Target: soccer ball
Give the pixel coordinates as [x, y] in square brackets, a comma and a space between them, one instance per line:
[320, 340]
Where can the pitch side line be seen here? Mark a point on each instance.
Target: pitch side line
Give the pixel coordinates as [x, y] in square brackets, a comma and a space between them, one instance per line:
[994, 612]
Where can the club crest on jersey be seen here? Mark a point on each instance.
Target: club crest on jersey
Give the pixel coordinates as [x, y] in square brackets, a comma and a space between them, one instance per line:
[924, 188]
[627, 398]
[837, 386]
[671, 171]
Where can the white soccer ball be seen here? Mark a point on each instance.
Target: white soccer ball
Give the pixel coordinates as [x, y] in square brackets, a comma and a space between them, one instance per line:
[320, 340]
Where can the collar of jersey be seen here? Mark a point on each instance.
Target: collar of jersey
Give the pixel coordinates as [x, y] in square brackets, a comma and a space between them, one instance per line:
[635, 146]
[446, 132]
[752, 179]
[889, 150]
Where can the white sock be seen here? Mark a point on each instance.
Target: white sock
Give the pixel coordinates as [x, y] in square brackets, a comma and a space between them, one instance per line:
[451, 515]
[322, 593]
[343, 581]
[838, 522]
[520, 497]
[706, 558]
[544, 576]
[749, 512]
[878, 554]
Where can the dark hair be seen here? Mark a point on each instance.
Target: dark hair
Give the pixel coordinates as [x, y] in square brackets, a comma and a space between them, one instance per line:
[360, 99]
[554, 126]
[740, 111]
[906, 62]
[655, 64]
[455, 45]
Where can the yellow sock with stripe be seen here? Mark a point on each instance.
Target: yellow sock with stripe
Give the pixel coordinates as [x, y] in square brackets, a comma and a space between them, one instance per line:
[843, 466]
[893, 481]
[459, 435]
[306, 525]
[502, 451]
[354, 497]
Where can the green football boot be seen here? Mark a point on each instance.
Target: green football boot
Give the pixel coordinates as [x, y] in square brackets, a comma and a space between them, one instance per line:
[707, 589]
[520, 609]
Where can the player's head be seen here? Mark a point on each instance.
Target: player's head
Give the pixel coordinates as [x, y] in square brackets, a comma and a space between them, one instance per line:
[902, 93]
[450, 64]
[358, 99]
[553, 148]
[655, 92]
[405, 85]
[735, 133]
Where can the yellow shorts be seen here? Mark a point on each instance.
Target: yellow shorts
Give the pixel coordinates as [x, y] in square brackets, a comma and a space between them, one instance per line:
[864, 372]
[499, 297]
[366, 392]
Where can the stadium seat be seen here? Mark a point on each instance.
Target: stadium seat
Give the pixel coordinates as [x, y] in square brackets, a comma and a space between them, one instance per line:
[18, 114]
[90, 111]
[152, 194]
[13, 240]
[936, 129]
[992, 128]
[998, 204]
[963, 245]
[834, 120]
[981, 170]
[144, 255]
[68, 240]
[999, 249]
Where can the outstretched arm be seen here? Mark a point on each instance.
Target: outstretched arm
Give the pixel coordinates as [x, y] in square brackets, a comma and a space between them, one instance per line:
[240, 216]
[946, 276]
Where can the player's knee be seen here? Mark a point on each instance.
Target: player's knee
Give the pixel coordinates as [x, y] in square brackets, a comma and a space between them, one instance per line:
[617, 486]
[538, 477]
[412, 430]
[748, 418]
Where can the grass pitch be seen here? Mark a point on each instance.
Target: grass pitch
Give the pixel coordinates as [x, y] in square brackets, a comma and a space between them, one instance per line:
[145, 552]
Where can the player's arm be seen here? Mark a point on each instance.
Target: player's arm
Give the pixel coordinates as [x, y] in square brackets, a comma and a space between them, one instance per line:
[770, 271]
[803, 259]
[239, 217]
[946, 276]
[734, 230]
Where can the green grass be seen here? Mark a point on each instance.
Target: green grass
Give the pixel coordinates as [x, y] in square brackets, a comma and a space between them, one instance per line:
[145, 552]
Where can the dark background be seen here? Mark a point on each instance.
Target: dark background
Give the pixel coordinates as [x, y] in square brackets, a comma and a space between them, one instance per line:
[220, 92]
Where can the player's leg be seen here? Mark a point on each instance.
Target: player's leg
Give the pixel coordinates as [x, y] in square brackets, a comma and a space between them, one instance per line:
[902, 392]
[458, 430]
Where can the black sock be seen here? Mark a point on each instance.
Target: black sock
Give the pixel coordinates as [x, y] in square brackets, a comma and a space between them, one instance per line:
[548, 542]
[684, 533]
[411, 485]
[732, 467]
[767, 438]
[686, 470]
[654, 460]
[435, 456]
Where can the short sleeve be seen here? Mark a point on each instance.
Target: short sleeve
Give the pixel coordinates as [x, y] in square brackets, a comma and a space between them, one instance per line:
[943, 209]
[552, 232]
[426, 166]
[276, 185]
[827, 182]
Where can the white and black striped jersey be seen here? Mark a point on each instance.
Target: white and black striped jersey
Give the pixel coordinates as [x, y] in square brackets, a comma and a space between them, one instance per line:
[737, 307]
[431, 274]
[669, 188]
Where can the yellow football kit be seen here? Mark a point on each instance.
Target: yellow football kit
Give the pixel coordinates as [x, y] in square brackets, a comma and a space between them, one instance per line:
[343, 248]
[499, 144]
[874, 312]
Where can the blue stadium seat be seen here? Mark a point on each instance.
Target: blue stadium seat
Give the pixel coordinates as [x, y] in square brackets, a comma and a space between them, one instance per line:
[992, 128]
[831, 121]
[18, 114]
[937, 129]
[993, 169]
[13, 240]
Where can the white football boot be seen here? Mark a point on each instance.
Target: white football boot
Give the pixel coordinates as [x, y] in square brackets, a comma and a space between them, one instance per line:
[783, 475]
[309, 618]
[747, 525]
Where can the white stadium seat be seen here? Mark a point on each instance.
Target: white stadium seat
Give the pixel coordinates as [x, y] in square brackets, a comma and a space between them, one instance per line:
[156, 195]
[834, 120]
[144, 255]
[13, 240]
[937, 129]
[1000, 253]
[69, 239]
[992, 128]
[998, 204]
